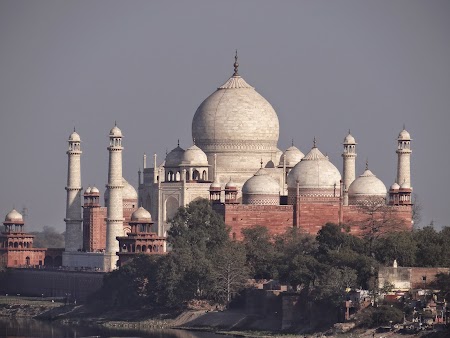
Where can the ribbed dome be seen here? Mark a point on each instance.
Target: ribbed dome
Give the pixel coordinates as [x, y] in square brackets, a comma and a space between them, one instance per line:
[74, 137]
[261, 184]
[215, 185]
[174, 158]
[349, 139]
[14, 216]
[231, 185]
[141, 215]
[293, 155]
[235, 116]
[194, 156]
[367, 185]
[115, 132]
[314, 171]
[404, 136]
[395, 186]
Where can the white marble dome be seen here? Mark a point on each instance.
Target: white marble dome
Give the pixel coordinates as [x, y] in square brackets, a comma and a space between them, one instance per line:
[14, 216]
[395, 186]
[174, 158]
[88, 190]
[235, 116]
[367, 185]
[74, 137]
[405, 185]
[94, 190]
[115, 132]
[194, 156]
[215, 185]
[404, 135]
[141, 214]
[349, 139]
[261, 184]
[293, 155]
[314, 171]
[230, 185]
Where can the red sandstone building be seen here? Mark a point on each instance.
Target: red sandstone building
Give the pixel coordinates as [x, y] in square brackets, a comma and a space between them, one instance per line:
[16, 246]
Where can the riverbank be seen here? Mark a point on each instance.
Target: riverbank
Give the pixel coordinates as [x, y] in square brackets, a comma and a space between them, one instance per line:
[234, 323]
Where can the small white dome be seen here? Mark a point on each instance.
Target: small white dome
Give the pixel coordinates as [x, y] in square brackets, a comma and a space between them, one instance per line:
[14, 216]
[367, 185]
[115, 132]
[215, 185]
[404, 136]
[261, 183]
[88, 190]
[174, 158]
[194, 156]
[349, 139]
[314, 171]
[395, 186]
[230, 185]
[74, 137]
[95, 190]
[405, 185]
[292, 155]
[141, 214]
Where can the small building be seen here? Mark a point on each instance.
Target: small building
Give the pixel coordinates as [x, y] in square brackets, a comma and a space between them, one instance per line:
[16, 246]
[140, 239]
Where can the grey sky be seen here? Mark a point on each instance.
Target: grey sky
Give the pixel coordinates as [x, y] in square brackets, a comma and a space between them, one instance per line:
[325, 66]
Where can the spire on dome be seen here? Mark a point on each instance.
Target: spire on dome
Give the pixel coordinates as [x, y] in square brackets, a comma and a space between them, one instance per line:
[261, 163]
[236, 64]
[178, 142]
[367, 164]
[314, 143]
[292, 142]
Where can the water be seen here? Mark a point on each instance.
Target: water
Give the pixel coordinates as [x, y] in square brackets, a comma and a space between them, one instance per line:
[26, 328]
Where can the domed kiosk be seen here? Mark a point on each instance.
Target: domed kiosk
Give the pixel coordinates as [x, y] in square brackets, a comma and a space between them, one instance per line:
[261, 189]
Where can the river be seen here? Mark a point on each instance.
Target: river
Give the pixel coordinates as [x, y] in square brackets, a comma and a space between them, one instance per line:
[24, 327]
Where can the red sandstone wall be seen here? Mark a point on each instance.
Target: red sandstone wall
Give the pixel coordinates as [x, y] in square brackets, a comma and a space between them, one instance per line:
[277, 218]
[17, 257]
[417, 275]
[313, 215]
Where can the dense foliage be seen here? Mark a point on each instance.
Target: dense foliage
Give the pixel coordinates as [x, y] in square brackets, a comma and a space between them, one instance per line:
[204, 264]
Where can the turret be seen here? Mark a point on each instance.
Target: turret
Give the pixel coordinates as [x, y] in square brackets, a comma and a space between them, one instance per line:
[73, 218]
[349, 159]
[114, 216]
[404, 159]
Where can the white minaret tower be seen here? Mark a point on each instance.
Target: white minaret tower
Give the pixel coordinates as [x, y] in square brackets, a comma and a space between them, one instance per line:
[349, 156]
[404, 159]
[114, 216]
[74, 237]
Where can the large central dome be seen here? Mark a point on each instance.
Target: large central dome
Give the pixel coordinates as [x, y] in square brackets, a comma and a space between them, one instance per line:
[235, 117]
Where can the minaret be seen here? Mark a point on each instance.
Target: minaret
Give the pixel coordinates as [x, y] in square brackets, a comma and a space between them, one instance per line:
[349, 156]
[114, 216]
[404, 159]
[74, 237]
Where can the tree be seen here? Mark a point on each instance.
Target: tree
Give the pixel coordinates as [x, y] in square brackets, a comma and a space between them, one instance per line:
[229, 273]
[197, 225]
[380, 219]
[400, 246]
[260, 252]
[48, 238]
[429, 247]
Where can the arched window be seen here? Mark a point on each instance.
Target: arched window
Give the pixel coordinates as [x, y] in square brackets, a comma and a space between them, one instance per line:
[138, 248]
[204, 175]
[27, 260]
[195, 175]
[171, 207]
[144, 248]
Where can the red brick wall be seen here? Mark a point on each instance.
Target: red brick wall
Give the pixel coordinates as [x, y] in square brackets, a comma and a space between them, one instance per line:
[417, 275]
[17, 257]
[314, 214]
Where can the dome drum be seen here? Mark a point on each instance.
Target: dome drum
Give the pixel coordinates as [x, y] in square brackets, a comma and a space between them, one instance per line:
[261, 199]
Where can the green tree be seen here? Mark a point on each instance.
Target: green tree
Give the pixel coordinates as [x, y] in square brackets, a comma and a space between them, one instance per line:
[260, 252]
[400, 246]
[429, 247]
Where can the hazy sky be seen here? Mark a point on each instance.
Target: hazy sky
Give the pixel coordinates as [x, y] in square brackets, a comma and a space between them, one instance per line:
[325, 66]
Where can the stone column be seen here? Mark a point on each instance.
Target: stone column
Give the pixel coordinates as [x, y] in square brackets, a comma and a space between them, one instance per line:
[74, 236]
[349, 161]
[114, 216]
[404, 159]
